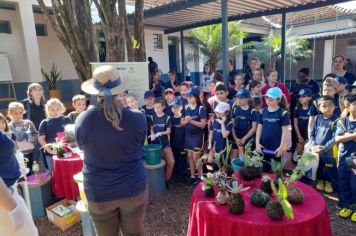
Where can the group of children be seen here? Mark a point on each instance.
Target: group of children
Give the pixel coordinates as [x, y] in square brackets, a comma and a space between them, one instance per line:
[192, 124]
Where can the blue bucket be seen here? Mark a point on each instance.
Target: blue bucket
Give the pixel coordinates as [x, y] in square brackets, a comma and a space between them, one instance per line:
[237, 163]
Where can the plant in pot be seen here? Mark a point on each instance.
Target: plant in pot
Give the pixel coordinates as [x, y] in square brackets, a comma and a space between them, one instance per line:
[277, 168]
[220, 181]
[259, 198]
[295, 195]
[59, 148]
[252, 168]
[235, 202]
[52, 78]
[276, 209]
[208, 186]
[265, 184]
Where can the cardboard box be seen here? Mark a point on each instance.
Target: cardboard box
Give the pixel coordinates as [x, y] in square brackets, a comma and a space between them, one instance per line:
[67, 221]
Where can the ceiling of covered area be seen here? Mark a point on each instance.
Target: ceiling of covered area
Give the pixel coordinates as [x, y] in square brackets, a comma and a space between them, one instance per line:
[186, 14]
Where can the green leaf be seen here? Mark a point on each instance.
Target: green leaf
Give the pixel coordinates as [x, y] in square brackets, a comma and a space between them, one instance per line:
[287, 208]
[274, 189]
[282, 190]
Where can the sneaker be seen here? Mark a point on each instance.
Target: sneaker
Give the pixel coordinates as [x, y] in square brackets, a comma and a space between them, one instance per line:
[328, 187]
[353, 217]
[190, 182]
[320, 185]
[345, 213]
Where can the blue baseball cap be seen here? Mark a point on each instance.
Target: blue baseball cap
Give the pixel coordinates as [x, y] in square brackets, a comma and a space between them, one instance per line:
[148, 94]
[305, 92]
[342, 80]
[194, 91]
[274, 93]
[177, 102]
[243, 93]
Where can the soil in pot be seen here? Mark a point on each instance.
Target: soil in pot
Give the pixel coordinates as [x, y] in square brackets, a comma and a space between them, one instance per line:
[274, 210]
[265, 186]
[259, 198]
[209, 192]
[249, 173]
[236, 203]
[295, 195]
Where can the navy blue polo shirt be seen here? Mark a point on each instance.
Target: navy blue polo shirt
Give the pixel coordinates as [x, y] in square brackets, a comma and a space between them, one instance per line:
[51, 126]
[303, 119]
[168, 110]
[343, 126]
[197, 114]
[113, 160]
[272, 123]
[322, 133]
[243, 120]
[161, 124]
[9, 167]
[158, 91]
[314, 109]
[218, 141]
[177, 134]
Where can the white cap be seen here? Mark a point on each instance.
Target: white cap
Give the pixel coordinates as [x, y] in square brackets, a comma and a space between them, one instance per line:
[222, 107]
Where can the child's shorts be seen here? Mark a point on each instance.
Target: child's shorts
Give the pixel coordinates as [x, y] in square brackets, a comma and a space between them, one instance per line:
[194, 142]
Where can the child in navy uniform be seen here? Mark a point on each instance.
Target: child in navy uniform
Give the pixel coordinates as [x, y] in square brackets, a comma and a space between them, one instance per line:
[148, 110]
[322, 141]
[220, 130]
[220, 96]
[346, 137]
[169, 96]
[301, 119]
[160, 131]
[272, 128]
[244, 119]
[49, 128]
[177, 142]
[194, 120]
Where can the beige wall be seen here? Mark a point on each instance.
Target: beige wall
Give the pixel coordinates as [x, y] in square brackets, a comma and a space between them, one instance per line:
[13, 45]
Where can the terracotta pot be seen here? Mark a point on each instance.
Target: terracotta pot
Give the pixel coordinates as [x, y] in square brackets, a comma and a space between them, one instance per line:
[54, 93]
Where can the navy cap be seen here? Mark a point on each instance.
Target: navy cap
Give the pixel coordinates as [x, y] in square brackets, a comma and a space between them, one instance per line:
[194, 91]
[177, 102]
[342, 80]
[148, 94]
[243, 93]
[305, 92]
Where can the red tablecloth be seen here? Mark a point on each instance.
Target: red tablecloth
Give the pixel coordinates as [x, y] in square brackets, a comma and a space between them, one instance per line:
[63, 184]
[207, 218]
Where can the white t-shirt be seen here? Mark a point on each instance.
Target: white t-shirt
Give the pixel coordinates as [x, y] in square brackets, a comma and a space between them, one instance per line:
[18, 222]
[205, 81]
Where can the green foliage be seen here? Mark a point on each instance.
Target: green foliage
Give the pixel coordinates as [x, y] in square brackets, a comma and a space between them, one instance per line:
[296, 48]
[52, 77]
[57, 147]
[209, 182]
[250, 158]
[209, 41]
[277, 167]
[281, 196]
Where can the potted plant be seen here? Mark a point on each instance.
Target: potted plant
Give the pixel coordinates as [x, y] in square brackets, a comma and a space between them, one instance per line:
[295, 195]
[235, 202]
[252, 168]
[52, 78]
[220, 180]
[208, 186]
[277, 168]
[265, 184]
[278, 208]
[259, 198]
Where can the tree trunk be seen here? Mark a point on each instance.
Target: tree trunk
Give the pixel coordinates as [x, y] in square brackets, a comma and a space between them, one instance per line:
[110, 25]
[124, 28]
[140, 53]
[71, 21]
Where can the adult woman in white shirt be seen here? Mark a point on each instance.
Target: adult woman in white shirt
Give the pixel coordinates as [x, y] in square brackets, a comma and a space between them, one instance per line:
[206, 79]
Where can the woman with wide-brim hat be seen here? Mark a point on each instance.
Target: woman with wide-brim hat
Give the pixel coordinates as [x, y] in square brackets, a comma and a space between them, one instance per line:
[112, 139]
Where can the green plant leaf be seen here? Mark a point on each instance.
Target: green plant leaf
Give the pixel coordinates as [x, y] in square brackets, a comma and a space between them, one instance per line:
[274, 189]
[287, 208]
[282, 190]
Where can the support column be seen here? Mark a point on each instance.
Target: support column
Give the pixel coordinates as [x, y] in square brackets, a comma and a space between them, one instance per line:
[182, 54]
[283, 50]
[30, 41]
[225, 41]
[239, 58]
[328, 56]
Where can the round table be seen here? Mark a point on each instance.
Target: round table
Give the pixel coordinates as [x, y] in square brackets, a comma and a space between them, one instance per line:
[64, 169]
[208, 218]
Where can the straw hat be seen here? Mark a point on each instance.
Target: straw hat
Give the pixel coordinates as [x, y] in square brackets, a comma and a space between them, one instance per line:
[106, 81]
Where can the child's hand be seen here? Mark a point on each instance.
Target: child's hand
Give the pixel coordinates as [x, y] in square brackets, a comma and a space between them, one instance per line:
[242, 141]
[188, 118]
[279, 151]
[300, 139]
[210, 159]
[158, 134]
[259, 148]
[152, 136]
[317, 148]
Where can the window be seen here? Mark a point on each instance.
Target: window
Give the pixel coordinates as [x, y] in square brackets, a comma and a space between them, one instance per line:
[41, 30]
[157, 41]
[5, 27]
